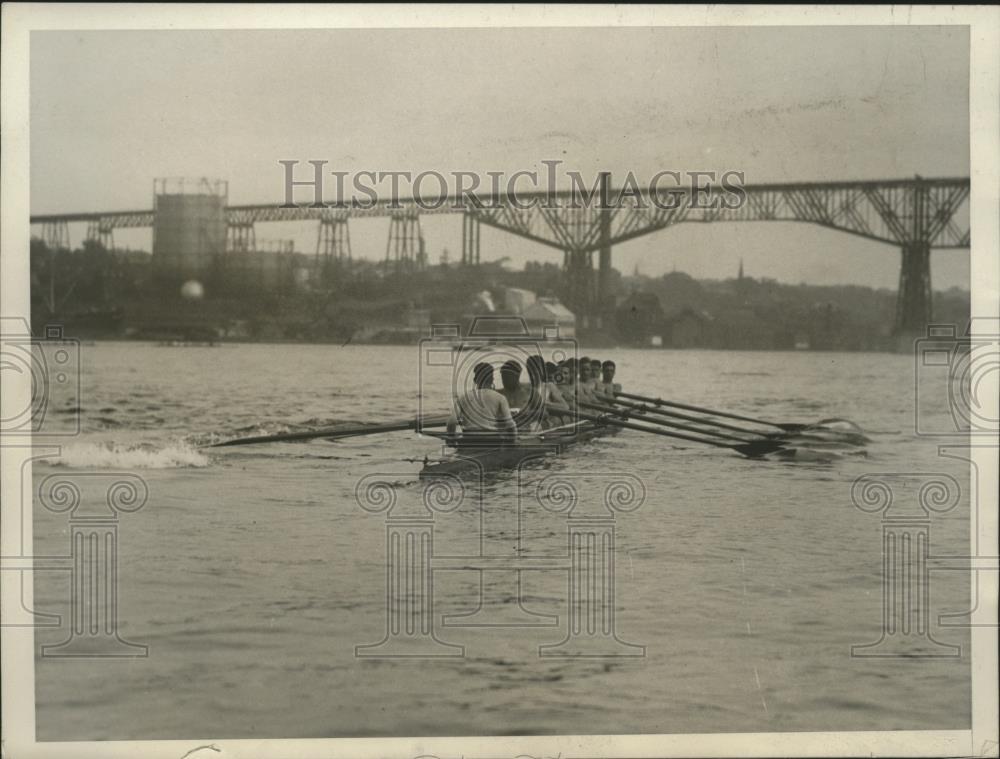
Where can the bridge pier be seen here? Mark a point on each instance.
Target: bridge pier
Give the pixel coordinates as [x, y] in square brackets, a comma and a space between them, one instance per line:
[241, 237]
[579, 267]
[334, 239]
[913, 302]
[55, 234]
[605, 298]
[333, 245]
[405, 248]
[102, 233]
[470, 239]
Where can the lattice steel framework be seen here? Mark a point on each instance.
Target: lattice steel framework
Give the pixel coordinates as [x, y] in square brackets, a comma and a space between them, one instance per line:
[333, 241]
[241, 235]
[883, 210]
[918, 215]
[102, 232]
[55, 234]
[470, 239]
[405, 247]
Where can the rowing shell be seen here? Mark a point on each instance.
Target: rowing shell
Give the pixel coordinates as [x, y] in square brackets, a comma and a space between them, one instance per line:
[473, 459]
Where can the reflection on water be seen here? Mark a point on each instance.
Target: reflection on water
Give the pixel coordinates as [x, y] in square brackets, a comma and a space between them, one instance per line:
[252, 574]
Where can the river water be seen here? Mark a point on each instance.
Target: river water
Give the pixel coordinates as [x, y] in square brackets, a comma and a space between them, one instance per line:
[251, 574]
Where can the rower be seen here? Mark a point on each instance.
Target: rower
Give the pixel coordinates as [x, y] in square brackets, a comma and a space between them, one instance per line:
[518, 396]
[608, 384]
[585, 385]
[595, 373]
[483, 412]
[554, 406]
[527, 404]
[567, 381]
[551, 369]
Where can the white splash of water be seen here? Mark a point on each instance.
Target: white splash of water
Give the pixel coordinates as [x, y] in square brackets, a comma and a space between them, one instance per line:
[142, 456]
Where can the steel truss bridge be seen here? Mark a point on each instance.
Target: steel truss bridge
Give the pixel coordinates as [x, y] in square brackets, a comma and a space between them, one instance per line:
[916, 215]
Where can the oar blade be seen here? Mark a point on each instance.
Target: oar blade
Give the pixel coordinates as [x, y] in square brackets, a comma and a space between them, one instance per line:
[759, 448]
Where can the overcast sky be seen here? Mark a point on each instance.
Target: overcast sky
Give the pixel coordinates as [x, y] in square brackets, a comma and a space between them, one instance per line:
[112, 110]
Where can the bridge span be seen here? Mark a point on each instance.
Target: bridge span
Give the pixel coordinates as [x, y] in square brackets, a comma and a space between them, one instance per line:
[917, 215]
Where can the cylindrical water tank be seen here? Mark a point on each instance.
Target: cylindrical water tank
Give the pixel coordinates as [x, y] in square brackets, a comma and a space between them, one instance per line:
[189, 226]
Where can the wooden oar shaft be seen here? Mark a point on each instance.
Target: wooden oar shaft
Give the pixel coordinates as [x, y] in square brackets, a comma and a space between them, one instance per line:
[334, 432]
[654, 431]
[700, 420]
[702, 409]
[665, 423]
[359, 431]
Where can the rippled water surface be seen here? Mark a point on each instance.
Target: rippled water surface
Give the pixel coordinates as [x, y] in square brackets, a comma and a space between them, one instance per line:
[251, 573]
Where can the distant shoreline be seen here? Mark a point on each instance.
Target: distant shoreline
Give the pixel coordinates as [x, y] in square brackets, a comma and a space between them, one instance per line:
[228, 342]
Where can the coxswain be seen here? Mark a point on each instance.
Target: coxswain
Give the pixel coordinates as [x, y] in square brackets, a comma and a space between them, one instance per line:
[483, 412]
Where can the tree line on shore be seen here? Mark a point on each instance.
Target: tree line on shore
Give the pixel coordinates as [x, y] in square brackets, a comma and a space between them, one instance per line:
[115, 293]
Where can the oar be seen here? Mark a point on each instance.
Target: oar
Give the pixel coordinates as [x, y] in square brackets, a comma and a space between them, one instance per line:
[787, 426]
[646, 408]
[664, 422]
[334, 433]
[753, 449]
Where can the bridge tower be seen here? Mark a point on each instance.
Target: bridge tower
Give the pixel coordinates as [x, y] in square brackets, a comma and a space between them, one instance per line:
[333, 246]
[914, 299]
[590, 296]
[470, 239]
[334, 239]
[241, 237]
[913, 302]
[101, 232]
[605, 298]
[55, 235]
[579, 268]
[405, 249]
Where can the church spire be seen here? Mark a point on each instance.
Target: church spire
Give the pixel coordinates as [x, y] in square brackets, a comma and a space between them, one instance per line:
[740, 276]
